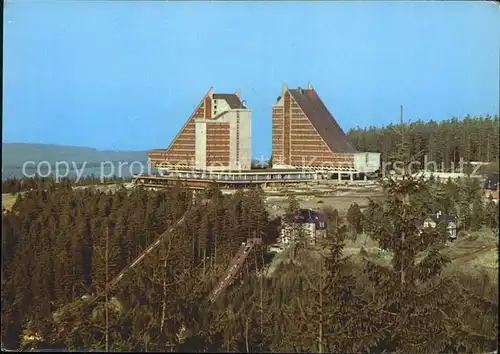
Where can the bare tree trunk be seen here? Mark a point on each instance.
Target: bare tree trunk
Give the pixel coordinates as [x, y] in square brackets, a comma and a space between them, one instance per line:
[406, 202]
[199, 246]
[261, 306]
[214, 240]
[402, 265]
[320, 346]
[488, 149]
[164, 302]
[193, 248]
[107, 288]
[246, 335]
[73, 286]
[204, 259]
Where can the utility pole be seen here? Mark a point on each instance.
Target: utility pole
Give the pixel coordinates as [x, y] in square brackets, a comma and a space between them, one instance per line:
[402, 154]
[403, 142]
[401, 121]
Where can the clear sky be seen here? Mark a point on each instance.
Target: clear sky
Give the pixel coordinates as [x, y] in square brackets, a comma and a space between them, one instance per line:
[127, 75]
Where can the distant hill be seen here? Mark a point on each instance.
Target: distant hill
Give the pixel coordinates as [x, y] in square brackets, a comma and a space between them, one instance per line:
[15, 154]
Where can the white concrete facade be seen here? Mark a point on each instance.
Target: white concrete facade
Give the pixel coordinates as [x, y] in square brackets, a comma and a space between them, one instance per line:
[219, 106]
[291, 231]
[367, 162]
[244, 116]
[240, 136]
[201, 143]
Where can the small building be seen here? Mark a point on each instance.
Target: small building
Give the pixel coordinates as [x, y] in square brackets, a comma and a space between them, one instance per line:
[492, 182]
[308, 223]
[433, 220]
[492, 187]
[494, 194]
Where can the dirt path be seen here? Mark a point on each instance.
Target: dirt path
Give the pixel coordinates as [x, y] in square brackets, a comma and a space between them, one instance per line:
[471, 255]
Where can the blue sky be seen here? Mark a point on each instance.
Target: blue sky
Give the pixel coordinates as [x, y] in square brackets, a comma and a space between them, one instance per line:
[126, 75]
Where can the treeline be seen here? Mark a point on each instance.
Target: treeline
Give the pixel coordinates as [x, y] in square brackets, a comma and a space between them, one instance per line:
[14, 185]
[56, 245]
[470, 139]
[463, 198]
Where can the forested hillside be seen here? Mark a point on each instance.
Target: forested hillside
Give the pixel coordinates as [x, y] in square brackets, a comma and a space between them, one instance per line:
[56, 245]
[14, 185]
[15, 154]
[471, 138]
[53, 246]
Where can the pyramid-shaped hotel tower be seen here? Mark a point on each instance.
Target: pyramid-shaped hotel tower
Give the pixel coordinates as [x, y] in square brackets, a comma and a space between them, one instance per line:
[216, 137]
[305, 135]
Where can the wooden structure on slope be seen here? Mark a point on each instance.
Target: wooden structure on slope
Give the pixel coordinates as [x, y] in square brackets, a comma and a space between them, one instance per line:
[234, 267]
[144, 253]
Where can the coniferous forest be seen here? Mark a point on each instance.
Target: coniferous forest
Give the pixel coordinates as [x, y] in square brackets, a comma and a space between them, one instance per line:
[447, 141]
[59, 244]
[14, 185]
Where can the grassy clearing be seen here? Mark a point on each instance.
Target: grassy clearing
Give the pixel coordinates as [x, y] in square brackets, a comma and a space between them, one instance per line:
[8, 201]
[487, 260]
[476, 264]
[472, 240]
[371, 251]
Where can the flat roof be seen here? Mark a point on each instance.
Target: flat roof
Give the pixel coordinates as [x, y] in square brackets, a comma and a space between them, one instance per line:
[242, 172]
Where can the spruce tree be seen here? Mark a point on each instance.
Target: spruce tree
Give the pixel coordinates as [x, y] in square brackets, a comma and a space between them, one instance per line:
[477, 213]
[491, 214]
[411, 297]
[355, 220]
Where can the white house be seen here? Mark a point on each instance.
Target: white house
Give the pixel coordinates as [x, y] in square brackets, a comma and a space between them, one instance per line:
[433, 220]
[307, 223]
